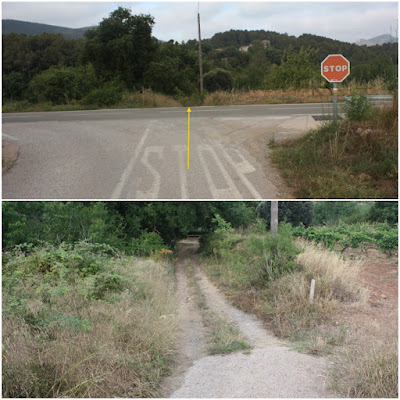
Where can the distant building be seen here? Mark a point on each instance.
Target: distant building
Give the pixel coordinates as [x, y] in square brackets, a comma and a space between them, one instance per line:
[245, 49]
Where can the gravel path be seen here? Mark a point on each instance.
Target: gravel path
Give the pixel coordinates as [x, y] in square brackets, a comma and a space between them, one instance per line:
[270, 370]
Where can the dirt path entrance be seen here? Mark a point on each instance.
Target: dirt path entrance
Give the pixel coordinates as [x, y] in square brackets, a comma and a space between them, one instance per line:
[269, 370]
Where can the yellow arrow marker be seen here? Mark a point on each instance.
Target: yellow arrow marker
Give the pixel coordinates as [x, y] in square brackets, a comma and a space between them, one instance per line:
[188, 111]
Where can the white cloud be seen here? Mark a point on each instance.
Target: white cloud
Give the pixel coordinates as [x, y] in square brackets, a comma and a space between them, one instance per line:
[178, 20]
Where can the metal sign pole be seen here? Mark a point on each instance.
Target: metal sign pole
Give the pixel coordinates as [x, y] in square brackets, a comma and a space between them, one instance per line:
[335, 91]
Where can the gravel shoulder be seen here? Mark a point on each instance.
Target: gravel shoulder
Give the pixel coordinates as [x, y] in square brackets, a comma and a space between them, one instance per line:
[270, 370]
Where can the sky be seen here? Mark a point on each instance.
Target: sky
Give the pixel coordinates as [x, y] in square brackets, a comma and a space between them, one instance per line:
[345, 21]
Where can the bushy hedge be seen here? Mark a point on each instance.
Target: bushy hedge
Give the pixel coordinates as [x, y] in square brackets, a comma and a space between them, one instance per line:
[218, 79]
[61, 85]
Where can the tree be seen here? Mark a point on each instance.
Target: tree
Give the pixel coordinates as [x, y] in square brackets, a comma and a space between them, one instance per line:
[297, 70]
[294, 212]
[60, 85]
[383, 211]
[122, 45]
[218, 79]
[13, 86]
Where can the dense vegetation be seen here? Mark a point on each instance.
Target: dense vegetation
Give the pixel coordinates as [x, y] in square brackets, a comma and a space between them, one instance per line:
[133, 227]
[121, 55]
[70, 322]
[355, 158]
[344, 236]
[270, 276]
[78, 276]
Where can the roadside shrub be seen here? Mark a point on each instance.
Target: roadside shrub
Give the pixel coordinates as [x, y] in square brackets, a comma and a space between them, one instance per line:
[218, 79]
[147, 243]
[253, 260]
[13, 86]
[357, 108]
[61, 85]
[115, 341]
[108, 95]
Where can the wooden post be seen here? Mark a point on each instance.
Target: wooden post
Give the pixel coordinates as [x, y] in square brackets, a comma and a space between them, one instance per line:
[274, 218]
[200, 59]
[312, 290]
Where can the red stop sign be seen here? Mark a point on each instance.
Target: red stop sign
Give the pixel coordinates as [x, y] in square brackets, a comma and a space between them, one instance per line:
[335, 68]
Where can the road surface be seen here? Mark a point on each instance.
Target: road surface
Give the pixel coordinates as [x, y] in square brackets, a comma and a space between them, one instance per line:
[142, 153]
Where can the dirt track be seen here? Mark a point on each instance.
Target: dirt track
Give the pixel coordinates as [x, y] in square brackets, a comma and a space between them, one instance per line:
[270, 370]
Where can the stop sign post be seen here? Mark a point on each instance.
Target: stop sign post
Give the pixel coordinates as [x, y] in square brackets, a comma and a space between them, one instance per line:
[335, 68]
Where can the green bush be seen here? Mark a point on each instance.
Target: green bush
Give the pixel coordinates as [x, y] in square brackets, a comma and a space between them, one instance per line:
[218, 79]
[147, 243]
[13, 86]
[357, 108]
[108, 95]
[255, 259]
[382, 211]
[61, 85]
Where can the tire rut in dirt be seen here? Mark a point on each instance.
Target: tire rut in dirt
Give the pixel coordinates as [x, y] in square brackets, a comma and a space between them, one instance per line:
[271, 370]
[191, 335]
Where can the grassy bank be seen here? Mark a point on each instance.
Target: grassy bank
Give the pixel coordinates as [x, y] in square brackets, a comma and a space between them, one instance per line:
[146, 98]
[84, 322]
[351, 160]
[270, 277]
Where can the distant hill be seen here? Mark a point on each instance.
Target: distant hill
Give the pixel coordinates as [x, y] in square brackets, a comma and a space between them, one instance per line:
[33, 28]
[381, 39]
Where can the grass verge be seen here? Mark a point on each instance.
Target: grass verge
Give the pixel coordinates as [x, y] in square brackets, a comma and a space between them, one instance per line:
[366, 362]
[369, 371]
[222, 336]
[270, 277]
[352, 160]
[147, 98]
[107, 331]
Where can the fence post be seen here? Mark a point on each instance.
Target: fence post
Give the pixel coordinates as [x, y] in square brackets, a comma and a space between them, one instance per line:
[311, 299]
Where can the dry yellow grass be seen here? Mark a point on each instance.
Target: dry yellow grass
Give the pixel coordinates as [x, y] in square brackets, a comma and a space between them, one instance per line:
[120, 348]
[336, 278]
[317, 95]
[148, 98]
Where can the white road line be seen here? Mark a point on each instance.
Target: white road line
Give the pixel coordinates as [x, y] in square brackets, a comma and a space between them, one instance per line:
[217, 193]
[184, 111]
[14, 139]
[128, 170]
[244, 167]
[182, 150]
[151, 193]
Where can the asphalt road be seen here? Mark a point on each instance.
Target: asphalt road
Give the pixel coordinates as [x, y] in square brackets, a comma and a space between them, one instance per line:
[142, 153]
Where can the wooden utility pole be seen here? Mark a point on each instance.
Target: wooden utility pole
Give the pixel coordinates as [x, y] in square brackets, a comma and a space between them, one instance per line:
[274, 218]
[200, 56]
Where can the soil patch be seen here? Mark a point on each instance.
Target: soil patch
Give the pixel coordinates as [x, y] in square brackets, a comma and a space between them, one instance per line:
[10, 154]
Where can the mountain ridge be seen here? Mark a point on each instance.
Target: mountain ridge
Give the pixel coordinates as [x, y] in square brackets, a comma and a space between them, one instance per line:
[35, 28]
[377, 40]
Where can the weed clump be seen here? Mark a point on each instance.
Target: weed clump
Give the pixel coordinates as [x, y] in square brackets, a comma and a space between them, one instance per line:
[70, 323]
[370, 373]
[356, 159]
